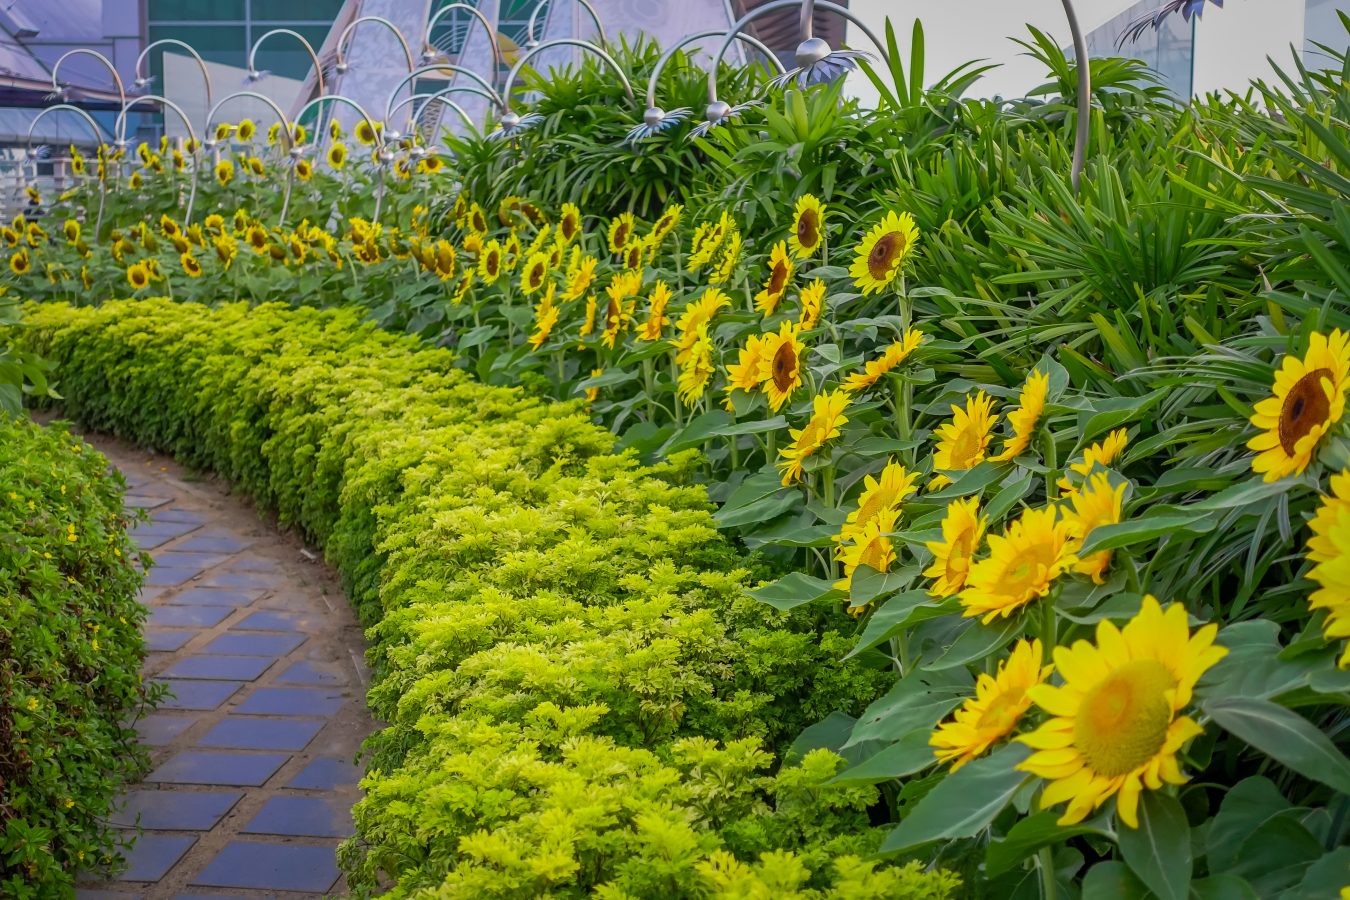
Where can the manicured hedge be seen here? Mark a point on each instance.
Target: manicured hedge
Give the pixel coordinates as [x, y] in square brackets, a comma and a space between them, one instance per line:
[70, 657]
[580, 699]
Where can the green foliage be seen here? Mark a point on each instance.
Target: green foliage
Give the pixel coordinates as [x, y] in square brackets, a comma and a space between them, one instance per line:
[70, 658]
[580, 696]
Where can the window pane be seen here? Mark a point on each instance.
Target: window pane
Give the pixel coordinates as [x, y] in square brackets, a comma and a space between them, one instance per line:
[194, 10]
[295, 10]
[284, 55]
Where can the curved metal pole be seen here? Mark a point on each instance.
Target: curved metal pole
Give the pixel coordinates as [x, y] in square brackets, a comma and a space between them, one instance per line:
[573, 42]
[254, 74]
[775, 5]
[98, 141]
[120, 128]
[702, 35]
[85, 51]
[144, 81]
[1080, 52]
[445, 100]
[531, 41]
[379, 139]
[487, 28]
[488, 90]
[347, 32]
[254, 95]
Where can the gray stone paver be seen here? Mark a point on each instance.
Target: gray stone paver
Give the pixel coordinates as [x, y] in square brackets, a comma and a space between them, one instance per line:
[253, 761]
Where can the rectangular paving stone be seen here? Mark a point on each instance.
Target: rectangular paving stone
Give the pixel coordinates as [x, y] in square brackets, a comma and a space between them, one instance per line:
[159, 729]
[189, 559]
[219, 668]
[198, 695]
[189, 616]
[268, 620]
[174, 810]
[240, 579]
[153, 855]
[276, 867]
[168, 577]
[229, 769]
[306, 672]
[179, 515]
[327, 773]
[214, 542]
[162, 529]
[194, 595]
[87, 894]
[167, 640]
[145, 501]
[247, 733]
[272, 645]
[303, 817]
[291, 702]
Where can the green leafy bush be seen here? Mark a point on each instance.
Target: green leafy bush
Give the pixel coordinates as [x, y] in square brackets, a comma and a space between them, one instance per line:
[581, 699]
[70, 657]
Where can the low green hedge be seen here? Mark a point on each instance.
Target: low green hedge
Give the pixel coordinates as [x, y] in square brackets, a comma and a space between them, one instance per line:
[580, 700]
[70, 657]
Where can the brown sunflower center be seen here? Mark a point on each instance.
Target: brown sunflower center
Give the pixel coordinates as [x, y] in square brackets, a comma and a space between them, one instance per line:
[1305, 407]
[536, 276]
[621, 235]
[784, 366]
[778, 278]
[612, 313]
[494, 261]
[808, 229]
[885, 253]
[568, 227]
[1122, 721]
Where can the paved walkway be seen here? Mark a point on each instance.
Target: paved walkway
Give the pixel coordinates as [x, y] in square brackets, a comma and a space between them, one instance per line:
[254, 775]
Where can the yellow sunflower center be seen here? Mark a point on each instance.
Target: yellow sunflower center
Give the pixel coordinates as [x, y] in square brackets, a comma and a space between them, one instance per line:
[1003, 711]
[1122, 722]
[884, 254]
[778, 278]
[965, 448]
[1305, 407]
[784, 366]
[808, 228]
[1027, 575]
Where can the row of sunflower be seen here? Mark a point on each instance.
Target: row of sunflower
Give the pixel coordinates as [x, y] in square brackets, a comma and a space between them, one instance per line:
[987, 536]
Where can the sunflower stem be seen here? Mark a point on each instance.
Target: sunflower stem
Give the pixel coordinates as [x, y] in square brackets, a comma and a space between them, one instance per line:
[1046, 863]
[1048, 626]
[1051, 454]
[649, 386]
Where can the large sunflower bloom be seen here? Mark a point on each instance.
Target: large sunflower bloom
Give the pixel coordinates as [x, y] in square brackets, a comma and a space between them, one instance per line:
[535, 273]
[898, 351]
[780, 275]
[1022, 565]
[962, 530]
[657, 319]
[808, 226]
[999, 702]
[963, 442]
[1115, 728]
[871, 547]
[827, 417]
[1308, 401]
[1329, 548]
[1030, 408]
[490, 262]
[138, 275]
[620, 230]
[887, 492]
[881, 255]
[1097, 504]
[781, 365]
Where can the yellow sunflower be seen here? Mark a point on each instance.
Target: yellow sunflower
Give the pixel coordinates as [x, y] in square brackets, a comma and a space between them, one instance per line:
[138, 275]
[1030, 408]
[223, 132]
[367, 132]
[191, 266]
[545, 317]
[136, 179]
[303, 169]
[588, 319]
[490, 261]
[697, 368]
[71, 229]
[1102, 453]
[444, 259]
[871, 546]
[511, 251]
[224, 172]
[1097, 504]
[962, 530]
[881, 255]
[246, 130]
[696, 314]
[618, 313]
[665, 224]
[1329, 549]
[813, 304]
[634, 253]
[579, 279]
[887, 492]
[744, 374]
[477, 219]
[963, 441]
[535, 273]
[998, 705]
[827, 417]
[707, 238]
[808, 226]
[337, 155]
[334, 129]
[226, 247]
[657, 320]
[620, 230]
[20, 262]
[592, 394]
[465, 285]
[780, 276]
[569, 223]
[1114, 728]
[1022, 565]
[781, 367]
[731, 254]
[898, 351]
[1308, 401]
[256, 236]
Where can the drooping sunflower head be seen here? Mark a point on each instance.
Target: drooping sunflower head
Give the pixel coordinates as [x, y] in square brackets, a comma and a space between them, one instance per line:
[227, 248]
[880, 256]
[813, 304]
[167, 226]
[1022, 565]
[477, 219]
[887, 492]
[963, 441]
[1031, 406]
[620, 231]
[731, 254]
[895, 353]
[664, 225]
[999, 703]
[1099, 503]
[511, 251]
[223, 132]
[827, 418]
[781, 371]
[776, 285]
[870, 546]
[191, 266]
[1114, 728]
[444, 259]
[744, 374]
[71, 229]
[808, 226]
[137, 179]
[1308, 401]
[697, 368]
[962, 531]
[634, 253]
[257, 238]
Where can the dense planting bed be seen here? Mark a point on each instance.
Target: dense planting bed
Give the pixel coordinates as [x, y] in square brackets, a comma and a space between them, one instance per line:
[70, 657]
[579, 696]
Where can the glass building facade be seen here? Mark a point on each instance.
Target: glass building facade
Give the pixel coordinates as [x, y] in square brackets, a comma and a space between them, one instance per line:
[1169, 51]
[222, 31]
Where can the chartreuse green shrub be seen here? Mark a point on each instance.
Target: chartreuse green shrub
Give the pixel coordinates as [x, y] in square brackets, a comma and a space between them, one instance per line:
[580, 698]
[70, 657]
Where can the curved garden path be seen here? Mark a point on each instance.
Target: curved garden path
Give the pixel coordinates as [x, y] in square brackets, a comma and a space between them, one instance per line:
[253, 774]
